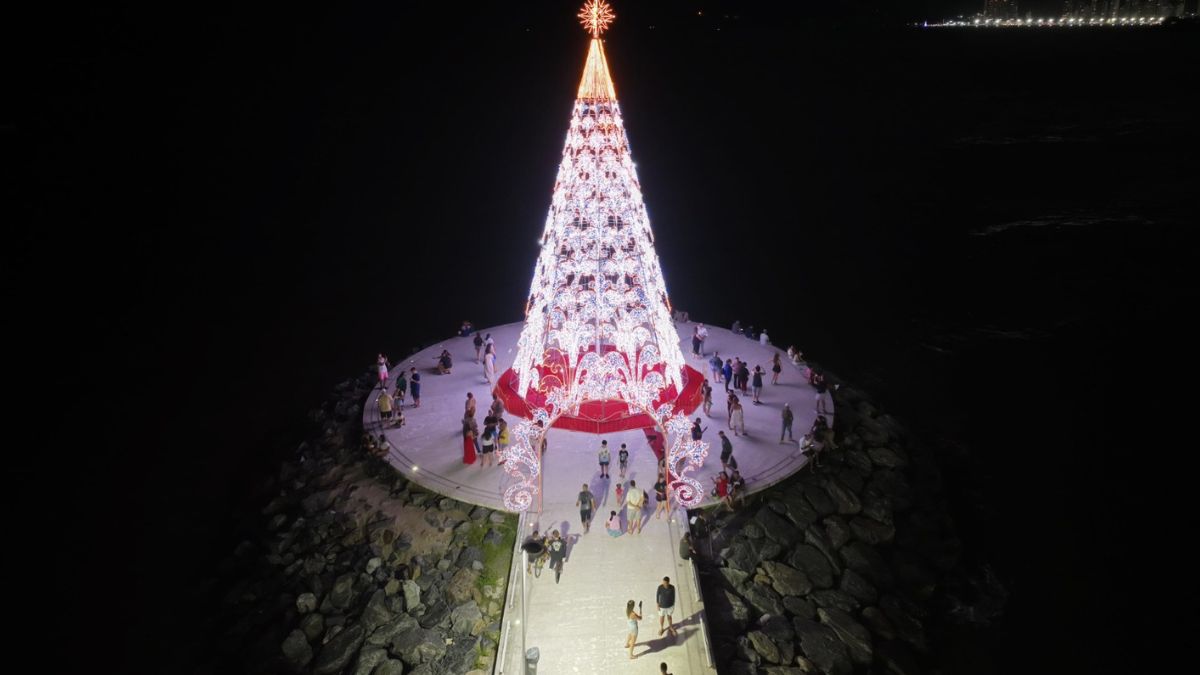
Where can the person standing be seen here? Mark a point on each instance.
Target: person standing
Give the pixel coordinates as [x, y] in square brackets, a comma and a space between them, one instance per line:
[702, 333]
[635, 499]
[623, 460]
[489, 364]
[503, 439]
[726, 449]
[497, 408]
[731, 400]
[776, 368]
[744, 377]
[469, 430]
[697, 431]
[401, 388]
[478, 341]
[381, 362]
[727, 373]
[488, 445]
[632, 617]
[757, 384]
[660, 497]
[686, 549]
[415, 378]
[470, 406]
[533, 546]
[664, 597]
[763, 339]
[714, 364]
[707, 390]
[696, 341]
[662, 668]
[737, 420]
[558, 552]
[604, 458]
[587, 506]
[385, 407]
[787, 423]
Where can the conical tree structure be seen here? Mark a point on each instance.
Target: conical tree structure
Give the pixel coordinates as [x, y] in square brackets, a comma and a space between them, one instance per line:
[599, 351]
[598, 321]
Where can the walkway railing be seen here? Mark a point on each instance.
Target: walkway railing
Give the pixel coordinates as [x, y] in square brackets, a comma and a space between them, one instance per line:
[511, 656]
[673, 527]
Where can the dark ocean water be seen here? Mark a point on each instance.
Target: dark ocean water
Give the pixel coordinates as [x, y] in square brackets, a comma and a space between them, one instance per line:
[993, 233]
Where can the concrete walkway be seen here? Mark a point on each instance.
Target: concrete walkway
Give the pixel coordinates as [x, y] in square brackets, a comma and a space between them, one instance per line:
[578, 624]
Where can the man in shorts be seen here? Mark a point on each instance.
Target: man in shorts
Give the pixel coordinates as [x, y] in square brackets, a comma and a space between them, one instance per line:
[635, 499]
[605, 457]
[587, 505]
[623, 459]
[665, 598]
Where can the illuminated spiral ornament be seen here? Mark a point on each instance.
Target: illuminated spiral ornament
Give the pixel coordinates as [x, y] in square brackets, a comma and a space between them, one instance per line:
[688, 492]
[519, 497]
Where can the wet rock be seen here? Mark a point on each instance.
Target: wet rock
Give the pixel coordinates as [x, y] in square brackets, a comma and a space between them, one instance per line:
[384, 634]
[342, 592]
[739, 612]
[847, 502]
[798, 510]
[739, 556]
[764, 646]
[866, 561]
[832, 598]
[837, 530]
[808, 559]
[735, 577]
[376, 613]
[821, 502]
[412, 594]
[799, 607]
[417, 646]
[856, 638]
[886, 457]
[389, 667]
[313, 626]
[776, 528]
[787, 580]
[779, 629]
[368, 659]
[307, 602]
[763, 598]
[337, 652]
[296, 650]
[871, 531]
[466, 619]
[821, 645]
[815, 536]
[853, 584]
[877, 621]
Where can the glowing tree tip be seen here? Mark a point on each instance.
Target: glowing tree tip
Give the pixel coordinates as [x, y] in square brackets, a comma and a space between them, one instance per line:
[595, 17]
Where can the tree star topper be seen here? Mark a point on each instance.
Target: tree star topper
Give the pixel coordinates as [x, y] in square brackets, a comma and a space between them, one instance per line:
[595, 17]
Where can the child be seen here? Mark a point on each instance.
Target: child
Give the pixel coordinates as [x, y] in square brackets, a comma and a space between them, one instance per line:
[620, 493]
[623, 458]
[613, 525]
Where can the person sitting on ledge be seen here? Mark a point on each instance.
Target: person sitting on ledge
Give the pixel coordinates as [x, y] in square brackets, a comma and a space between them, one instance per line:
[736, 328]
[795, 355]
[737, 486]
[444, 363]
[750, 333]
[465, 330]
[722, 489]
[383, 447]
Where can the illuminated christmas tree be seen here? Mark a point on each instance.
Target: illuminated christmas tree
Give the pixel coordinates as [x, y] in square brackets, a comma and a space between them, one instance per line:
[599, 351]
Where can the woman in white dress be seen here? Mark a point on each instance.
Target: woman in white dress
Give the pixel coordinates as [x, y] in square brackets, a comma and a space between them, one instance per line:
[382, 362]
[489, 364]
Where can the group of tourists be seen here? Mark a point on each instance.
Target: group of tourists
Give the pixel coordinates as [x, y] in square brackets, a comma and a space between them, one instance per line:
[391, 405]
[750, 332]
[495, 437]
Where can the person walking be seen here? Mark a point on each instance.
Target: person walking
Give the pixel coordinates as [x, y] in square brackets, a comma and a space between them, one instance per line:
[604, 458]
[401, 388]
[381, 362]
[727, 373]
[776, 368]
[726, 449]
[697, 431]
[632, 617]
[558, 553]
[664, 597]
[587, 505]
[744, 377]
[478, 341]
[757, 384]
[635, 499]
[534, 546]
[737, 420]
[787, 423]
[470, 406]
[415, 378]
[707, 390]
[731, 400]
[660, 497]
[623, 460]
[714, 364]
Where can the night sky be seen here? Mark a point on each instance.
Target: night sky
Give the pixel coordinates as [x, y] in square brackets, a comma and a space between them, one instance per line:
[234, 208]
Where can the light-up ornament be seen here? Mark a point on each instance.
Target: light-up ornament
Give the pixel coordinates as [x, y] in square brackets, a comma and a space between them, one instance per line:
[595, 17]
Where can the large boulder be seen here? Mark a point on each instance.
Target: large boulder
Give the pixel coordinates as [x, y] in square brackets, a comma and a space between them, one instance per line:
[740, 556]
[821, 645]
[800, 607]
[376, 612]
[342, 593]
[779, 629]
[787, 580]
[764, 646]
[798, 510]
[820, 500]
[339, 651]
[878, 622]
[306, 602]
[871, 531]
[735, 577]
[738, 610]
[856, 638]
[837, 530]
[866, 561]
[853, 584]
[808, 559]
[296, 650]
[313, 625]
[815, 536]
[466, 619]
[763, 598]
[412, 594]
[832, 598]
[384, 634]
[887, 457]
[417, 646]
[847, 502]
[389, 667]
[776, 528]
[902, 615]
[368, 659]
